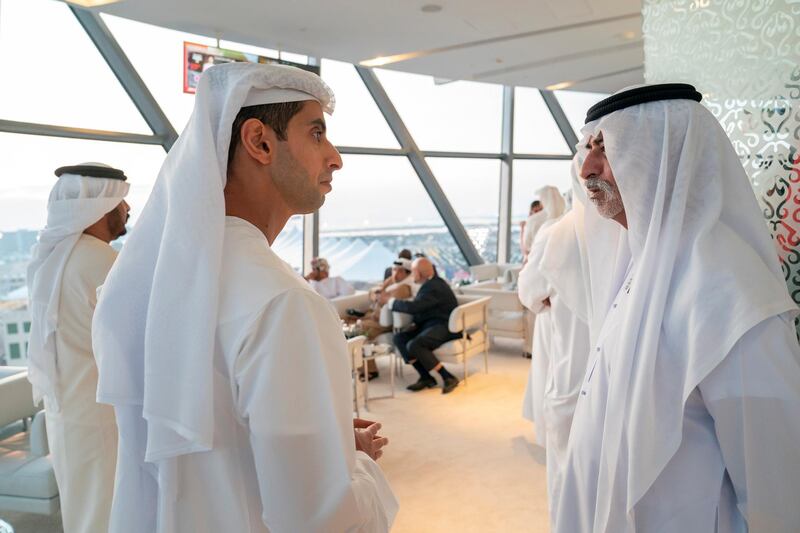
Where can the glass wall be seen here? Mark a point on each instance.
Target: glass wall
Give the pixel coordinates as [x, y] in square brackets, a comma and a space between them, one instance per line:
[535, 131]
[54, 73]
[375, 199]
[575, 105]
[378, 207]
[473, 188]
[356, 121]
[461, 116]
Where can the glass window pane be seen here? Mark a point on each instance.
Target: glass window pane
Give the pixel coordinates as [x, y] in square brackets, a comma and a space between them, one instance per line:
[529, 177]
[462, 116]
[14, 351]
[535, 130]
[12, 329]
[59, 77]
[575, 105]
[289, 243]
[157, 55]
[378, 207]
[356, 121]
[27, 169]
[473, 188]
[27, 326]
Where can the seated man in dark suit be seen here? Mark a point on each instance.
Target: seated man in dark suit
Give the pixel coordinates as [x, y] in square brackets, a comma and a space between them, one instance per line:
[431, 311]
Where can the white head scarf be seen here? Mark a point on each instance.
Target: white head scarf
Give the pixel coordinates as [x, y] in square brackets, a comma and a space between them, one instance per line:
[704, 272]
[553, 206]
[553, 203]
[156, 317]
[75, 203]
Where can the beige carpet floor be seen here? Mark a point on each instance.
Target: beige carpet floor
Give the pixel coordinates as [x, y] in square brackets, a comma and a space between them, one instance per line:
[464, 462]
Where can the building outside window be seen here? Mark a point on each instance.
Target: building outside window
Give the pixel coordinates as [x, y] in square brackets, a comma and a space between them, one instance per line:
[15, 328]
[14, 351]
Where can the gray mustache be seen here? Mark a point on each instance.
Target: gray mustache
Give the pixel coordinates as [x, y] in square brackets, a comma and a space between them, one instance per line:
[597, 183]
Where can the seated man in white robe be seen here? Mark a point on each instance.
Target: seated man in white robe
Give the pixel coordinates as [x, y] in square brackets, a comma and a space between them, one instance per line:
[688, 417]
[326, 285]
[85, 212]
[230, 376]
[552, 285]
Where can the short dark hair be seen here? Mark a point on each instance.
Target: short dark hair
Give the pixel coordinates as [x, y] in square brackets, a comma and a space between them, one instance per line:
[535, 203]
[405, 254]
[276, 116]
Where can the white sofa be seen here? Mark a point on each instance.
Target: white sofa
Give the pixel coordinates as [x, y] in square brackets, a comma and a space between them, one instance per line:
[468, 319]
[27, 480]
[507, 317]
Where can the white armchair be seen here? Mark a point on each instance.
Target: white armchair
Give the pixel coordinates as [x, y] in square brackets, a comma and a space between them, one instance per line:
[507, 317]
[468, 319]
[27, 480]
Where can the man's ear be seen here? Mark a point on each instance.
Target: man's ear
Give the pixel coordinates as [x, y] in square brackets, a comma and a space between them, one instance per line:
[258, 140]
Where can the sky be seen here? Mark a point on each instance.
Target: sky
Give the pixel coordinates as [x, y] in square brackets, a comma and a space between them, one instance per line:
[60, 78]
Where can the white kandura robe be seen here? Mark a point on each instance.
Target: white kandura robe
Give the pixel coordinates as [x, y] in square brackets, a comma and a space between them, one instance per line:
[284, 457]
[83, 435]
[731, 471]
[560, 352]
[533, 402]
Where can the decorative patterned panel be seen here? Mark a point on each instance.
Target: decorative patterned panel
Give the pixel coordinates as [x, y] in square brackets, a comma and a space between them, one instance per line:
[744, 56]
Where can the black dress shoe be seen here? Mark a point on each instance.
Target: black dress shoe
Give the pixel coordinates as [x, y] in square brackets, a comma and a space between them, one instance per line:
[422, 384]
[449, 385]
[372, 375]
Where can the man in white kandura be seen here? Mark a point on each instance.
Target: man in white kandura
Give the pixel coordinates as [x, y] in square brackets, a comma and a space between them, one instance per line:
[553, 285]
[688, 417]
[326, 285]
[228, 373]
[550, 206]
[538, 352]
[85, 212]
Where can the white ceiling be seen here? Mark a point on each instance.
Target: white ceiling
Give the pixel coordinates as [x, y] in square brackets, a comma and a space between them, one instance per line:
[596, 46]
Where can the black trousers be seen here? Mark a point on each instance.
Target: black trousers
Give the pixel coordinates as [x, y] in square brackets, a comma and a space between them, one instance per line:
[418, 344]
